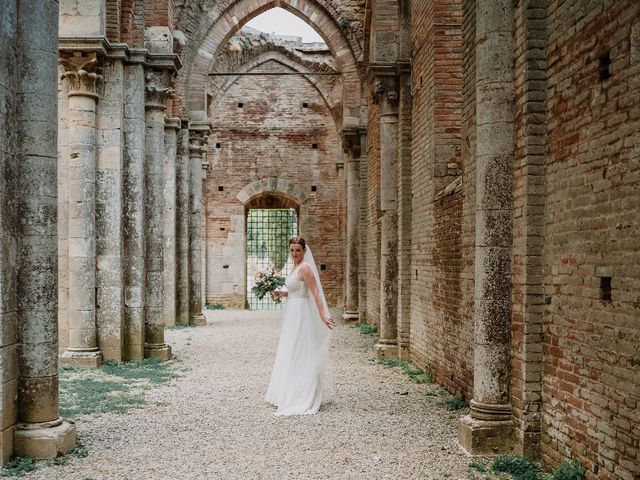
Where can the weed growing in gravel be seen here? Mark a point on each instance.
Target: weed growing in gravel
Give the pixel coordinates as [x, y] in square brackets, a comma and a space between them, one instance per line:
[366, 329]
[415, 374]
[450, 402]
[512, 467]
[178, 326]
[18, 467]
[113, 388]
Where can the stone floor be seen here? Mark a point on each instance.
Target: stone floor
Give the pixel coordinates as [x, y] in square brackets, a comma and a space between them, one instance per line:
[212, 423]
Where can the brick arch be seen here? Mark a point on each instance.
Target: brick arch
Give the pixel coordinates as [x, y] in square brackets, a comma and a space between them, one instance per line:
[291, 62]
[273, 186]
[221, 26]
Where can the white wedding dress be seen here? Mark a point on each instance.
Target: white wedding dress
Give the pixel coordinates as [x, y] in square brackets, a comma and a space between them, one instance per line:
[302, 351]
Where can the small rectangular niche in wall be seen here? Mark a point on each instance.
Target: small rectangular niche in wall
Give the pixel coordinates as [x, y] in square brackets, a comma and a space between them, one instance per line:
[604, 67]
[220, 188]
[314, 146]
[240, 105]
[314, 188]
[218, 145]
[323, 266]
[305, 105]
[605, 289]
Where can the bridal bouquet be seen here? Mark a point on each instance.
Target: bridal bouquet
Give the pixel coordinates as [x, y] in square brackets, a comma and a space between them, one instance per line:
[268, 282]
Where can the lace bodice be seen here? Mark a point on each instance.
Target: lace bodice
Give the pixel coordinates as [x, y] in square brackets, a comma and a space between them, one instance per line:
[296, 287]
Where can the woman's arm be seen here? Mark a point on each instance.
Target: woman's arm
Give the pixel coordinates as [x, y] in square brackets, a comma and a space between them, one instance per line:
[280, 293]
[310, 279]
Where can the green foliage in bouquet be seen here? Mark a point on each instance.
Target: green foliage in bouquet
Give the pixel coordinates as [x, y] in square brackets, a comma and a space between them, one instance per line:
[268, 282]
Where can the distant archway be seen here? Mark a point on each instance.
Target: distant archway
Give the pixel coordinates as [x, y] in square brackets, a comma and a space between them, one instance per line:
[216, 28]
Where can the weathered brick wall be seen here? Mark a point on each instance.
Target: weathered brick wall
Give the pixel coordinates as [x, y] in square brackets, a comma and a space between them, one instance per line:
[441, 319]
[591, 389]
[528, 221]
[272, 135]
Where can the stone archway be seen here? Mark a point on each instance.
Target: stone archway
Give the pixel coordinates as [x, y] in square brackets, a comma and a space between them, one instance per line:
[219, 25]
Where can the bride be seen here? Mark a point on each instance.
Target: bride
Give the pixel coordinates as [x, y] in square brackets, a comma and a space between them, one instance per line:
[304, 340]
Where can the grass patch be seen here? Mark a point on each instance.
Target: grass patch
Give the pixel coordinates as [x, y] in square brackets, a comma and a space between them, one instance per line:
[450, 402]
[415, 374]
[366, 329]
[513, 467]
[18, 467]
[215, 306]
[178, 326]
[113, 388]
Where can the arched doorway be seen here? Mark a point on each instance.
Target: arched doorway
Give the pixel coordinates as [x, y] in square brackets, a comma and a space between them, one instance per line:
[271, 220]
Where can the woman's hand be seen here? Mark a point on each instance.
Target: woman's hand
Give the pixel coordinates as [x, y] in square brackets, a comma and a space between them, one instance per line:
[328, 321]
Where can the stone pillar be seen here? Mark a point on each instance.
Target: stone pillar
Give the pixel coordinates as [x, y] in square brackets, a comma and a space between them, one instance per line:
[182, 228]
[108, 214]
[203, 245]
[351, 146]
[157, 92]
[489, 426]
[386, 95]
[40, 432]
[133, 212]
[171, 127]
[197, 147]
[80, 73]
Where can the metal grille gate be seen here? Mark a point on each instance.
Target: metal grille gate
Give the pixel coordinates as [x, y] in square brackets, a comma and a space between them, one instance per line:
[268, 234]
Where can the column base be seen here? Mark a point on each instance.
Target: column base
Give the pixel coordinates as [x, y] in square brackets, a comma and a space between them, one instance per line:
[486, 437]
[198, 320]
[403, 352]
[350, 317]
[160, 352]
[81, 359]
[44, 440]
[385, 351]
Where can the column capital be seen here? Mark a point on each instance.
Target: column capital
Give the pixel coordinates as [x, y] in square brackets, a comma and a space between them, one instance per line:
[172, 123]
[351, 142]
[385, 92]
[158, 87]
[82, 71]
[198, 142]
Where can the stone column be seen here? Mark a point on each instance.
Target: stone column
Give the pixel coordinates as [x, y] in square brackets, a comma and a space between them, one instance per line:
[40, 432]
[133, 212]
[386, 95]
[80, 73]
[171, 127]
[205, 169]
[197, 147]
[351, 146]
[157, 92]
[182, 224]
[488, 428]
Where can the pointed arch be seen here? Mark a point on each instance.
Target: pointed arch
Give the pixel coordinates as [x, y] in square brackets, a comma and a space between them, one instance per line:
[288, 61]
[219, 26]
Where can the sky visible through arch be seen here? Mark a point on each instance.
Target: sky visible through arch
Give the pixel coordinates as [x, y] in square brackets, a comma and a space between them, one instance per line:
[280, 22]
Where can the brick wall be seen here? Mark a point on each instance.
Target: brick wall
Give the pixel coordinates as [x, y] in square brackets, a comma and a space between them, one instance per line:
[272, 136]
[591, 369]
[441, 320]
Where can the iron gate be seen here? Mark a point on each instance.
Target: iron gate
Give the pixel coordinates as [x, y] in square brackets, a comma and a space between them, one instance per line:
[268, 234]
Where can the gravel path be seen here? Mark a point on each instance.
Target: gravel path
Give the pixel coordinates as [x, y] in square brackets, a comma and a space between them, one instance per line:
[212, 423]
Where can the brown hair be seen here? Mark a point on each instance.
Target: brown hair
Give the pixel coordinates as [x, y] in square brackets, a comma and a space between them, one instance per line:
[298, 241]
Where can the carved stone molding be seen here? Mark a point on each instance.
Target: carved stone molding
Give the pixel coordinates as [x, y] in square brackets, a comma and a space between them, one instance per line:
[198, 142]
[351, 142]
[158, 88]
[385, 91]
[82, 71]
